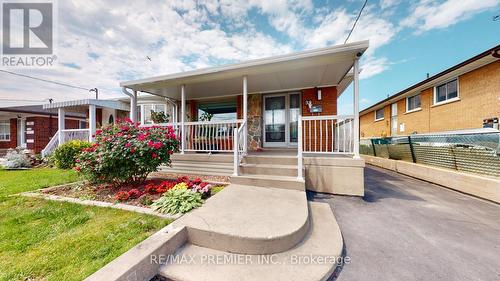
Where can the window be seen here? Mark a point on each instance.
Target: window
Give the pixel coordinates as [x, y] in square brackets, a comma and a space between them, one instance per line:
[413, 103]
[83, 124]
[446, 91]
[4, 130]
[379, 114]
[147, 108]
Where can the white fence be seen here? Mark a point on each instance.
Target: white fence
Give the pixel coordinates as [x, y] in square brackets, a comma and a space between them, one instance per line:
[239, 144]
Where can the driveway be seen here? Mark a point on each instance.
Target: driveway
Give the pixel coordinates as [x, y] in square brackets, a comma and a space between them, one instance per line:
[407, 229]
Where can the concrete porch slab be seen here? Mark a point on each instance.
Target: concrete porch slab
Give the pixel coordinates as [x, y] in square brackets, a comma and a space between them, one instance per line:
[322, 240]
[249, 220]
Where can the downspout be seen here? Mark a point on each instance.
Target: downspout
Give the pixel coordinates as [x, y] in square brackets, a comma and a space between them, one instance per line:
[133, 103]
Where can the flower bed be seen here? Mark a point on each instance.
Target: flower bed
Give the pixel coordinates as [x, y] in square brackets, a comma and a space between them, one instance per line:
[143, 194]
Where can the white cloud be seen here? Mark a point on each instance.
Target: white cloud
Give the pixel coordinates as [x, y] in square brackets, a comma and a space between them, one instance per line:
[372, 66]
[384, 4]
[427, 15]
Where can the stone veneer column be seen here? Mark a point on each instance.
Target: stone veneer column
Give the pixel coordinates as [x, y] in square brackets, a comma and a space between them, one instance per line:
[255, 122]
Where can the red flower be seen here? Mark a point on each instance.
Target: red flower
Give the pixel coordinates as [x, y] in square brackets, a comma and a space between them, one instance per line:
[98, 132]
[134, 193]
[141, 137]
[122, 196]
[78, 169]
[154, 155]
[127, 145]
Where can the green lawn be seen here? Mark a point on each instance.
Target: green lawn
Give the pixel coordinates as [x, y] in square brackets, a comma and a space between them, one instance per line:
[47, 240]
[12, 182]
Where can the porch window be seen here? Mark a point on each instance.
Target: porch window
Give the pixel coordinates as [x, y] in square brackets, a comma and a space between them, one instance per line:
[413, 103]
[219, 111]
[146, 110]
[446, 92]
[4, 130]
[379, 114]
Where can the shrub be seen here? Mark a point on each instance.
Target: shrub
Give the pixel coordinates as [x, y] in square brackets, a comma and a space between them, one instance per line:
[146, 199]
[16, 159]
[125, 153]
[177, 201]
[66, 155]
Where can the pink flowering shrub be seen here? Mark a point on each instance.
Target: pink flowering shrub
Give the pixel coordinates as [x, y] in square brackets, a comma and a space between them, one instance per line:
[125, 153]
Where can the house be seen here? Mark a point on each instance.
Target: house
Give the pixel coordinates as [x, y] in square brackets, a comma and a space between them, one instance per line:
[32, 126]
[465, 96]
[272, 121]
[97, 113]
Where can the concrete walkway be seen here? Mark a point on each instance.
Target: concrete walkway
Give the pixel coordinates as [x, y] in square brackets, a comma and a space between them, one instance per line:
[407, 229]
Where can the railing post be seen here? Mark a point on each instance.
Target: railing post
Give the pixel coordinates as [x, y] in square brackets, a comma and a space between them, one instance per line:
[373, 147]
[299, 149]
[183, 116]
[235, 148]
[61, 124]
[413, 157]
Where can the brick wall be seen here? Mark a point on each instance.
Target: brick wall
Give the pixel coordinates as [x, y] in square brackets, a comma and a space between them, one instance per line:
[479, 92]
[13, 136]
[43, 129]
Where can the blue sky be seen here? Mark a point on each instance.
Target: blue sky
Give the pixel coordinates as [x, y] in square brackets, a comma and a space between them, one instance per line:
[103, 42]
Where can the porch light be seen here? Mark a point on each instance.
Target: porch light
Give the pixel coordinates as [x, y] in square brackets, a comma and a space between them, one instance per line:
[319, 94]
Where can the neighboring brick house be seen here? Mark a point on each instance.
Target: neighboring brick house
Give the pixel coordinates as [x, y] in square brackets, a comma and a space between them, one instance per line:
[461, 97]
[32, 127]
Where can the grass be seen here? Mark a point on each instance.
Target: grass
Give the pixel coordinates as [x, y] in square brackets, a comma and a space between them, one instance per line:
[12, 182]
[48, 240]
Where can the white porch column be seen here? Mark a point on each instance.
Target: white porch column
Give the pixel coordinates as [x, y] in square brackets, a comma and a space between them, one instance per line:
[23, 131]
[60, 124]
[245, 114]
[183, 117]
[133, 107]
[356, 108]
[92, 122]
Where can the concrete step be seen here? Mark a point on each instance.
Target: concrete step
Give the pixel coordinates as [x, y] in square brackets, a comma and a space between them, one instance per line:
[248, 220]
[269, 181]
[269, 169]
[204, 157]
[270, 159]
[199, 167]
[322, 240]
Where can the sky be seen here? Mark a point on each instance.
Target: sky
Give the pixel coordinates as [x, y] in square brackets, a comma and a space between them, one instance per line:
[103, 42]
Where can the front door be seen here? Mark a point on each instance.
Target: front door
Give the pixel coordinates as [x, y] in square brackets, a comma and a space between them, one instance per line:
[281, 112]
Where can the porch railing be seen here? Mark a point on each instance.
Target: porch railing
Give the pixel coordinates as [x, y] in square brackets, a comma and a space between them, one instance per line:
[239, 145]
[206, 136]
[328, 134]
[63, 136]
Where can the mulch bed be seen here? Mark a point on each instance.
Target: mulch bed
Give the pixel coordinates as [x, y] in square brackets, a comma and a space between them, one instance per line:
[107, 193]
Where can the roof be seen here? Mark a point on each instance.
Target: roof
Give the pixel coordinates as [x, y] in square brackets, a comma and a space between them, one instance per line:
[35, 110]
[113, 104]
[313, 68]
[468, 65]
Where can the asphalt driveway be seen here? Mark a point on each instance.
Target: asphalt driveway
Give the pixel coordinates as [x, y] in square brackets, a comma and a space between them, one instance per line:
[407, 229]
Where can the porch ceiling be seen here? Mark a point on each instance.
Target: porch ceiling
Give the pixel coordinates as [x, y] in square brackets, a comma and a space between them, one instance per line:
[320, 67]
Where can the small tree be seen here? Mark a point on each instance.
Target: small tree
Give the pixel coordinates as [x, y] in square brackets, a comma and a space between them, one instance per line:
[125, 153]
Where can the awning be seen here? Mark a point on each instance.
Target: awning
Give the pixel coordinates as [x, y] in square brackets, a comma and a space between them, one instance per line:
[75, 104]
[328, 66]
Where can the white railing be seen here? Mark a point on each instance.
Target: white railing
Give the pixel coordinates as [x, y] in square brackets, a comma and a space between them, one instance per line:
[75, 134]
[239, 147]
[206, 136]
[332, 134]
[51, 146]
[63, 136]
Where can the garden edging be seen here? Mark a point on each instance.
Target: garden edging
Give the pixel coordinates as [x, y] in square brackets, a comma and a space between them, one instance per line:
[120, 206]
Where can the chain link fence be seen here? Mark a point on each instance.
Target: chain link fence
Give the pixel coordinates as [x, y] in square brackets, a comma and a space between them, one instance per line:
[468, 152]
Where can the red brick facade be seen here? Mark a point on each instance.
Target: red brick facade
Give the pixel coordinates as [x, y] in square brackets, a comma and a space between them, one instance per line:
[39, 131]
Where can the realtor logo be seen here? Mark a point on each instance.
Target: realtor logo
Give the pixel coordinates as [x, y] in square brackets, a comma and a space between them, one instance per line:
[27, 28]
[28, 34]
